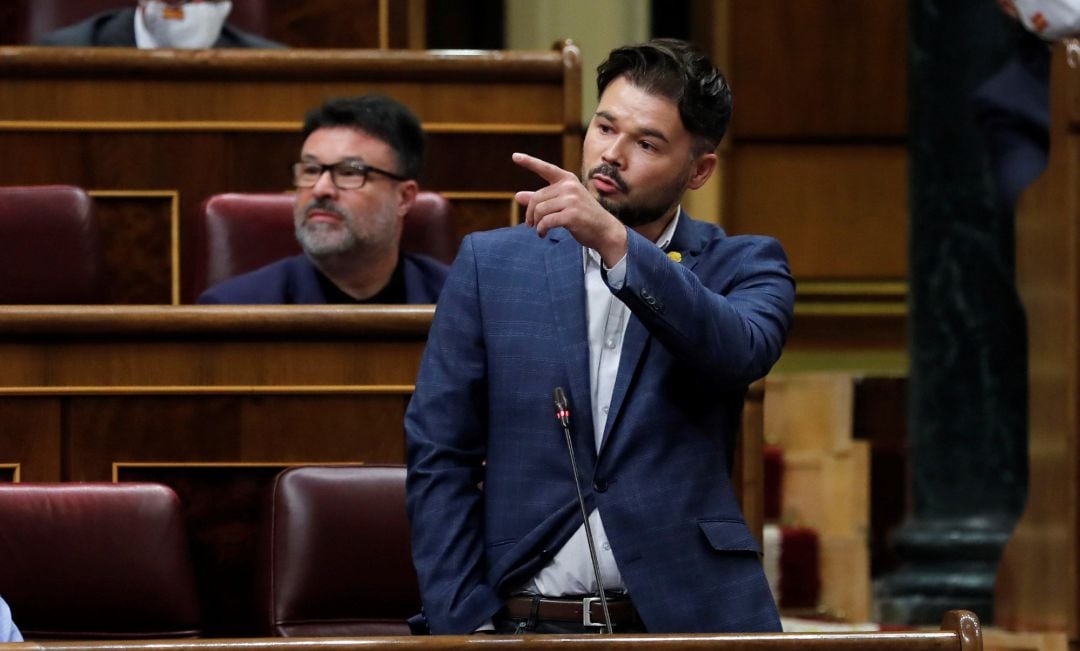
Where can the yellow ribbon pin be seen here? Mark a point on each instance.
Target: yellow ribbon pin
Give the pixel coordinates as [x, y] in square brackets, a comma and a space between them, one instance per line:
[675, 256]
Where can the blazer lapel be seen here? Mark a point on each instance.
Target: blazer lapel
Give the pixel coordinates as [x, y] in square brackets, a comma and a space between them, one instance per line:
[687, 240]
[566, 280]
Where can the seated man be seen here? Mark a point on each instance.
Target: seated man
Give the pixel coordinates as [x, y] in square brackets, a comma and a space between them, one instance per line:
[355, 182]
[186, 24]
[8, 631]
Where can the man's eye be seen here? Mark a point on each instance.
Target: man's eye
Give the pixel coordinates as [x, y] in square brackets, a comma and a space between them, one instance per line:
[348, 171]
[311, 170]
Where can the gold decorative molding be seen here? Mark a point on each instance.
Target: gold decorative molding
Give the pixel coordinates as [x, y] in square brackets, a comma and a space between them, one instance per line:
[119, 466]
[16, 471]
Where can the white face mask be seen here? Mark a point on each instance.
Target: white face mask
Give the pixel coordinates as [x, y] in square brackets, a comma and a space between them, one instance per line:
[1050, 20]
[191, 25]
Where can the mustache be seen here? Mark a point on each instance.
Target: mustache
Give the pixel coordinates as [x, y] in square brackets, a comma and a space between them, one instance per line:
[324, 205]
[611, 172]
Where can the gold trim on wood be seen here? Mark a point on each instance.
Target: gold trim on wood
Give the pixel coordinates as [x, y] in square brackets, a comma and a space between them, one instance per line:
[16, 476]
[174, 227]
[203, 390]
[864, 309]
[384, 24]
[848, 288]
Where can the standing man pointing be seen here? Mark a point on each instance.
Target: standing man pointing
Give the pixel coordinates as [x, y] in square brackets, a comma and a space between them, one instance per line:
[655, 324]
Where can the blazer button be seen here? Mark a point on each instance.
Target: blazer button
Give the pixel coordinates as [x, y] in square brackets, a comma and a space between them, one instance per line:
[600, 485]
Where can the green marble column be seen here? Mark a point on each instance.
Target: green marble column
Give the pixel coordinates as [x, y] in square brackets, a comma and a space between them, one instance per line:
[967, 400]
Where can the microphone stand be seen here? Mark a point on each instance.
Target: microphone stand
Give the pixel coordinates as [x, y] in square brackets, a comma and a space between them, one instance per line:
[562, 412]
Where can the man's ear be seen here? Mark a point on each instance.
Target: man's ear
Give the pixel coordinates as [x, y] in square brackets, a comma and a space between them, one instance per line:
[702, 169]
[407, 196]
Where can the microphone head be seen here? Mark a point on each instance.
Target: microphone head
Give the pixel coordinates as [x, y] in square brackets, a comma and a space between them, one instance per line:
[559, 397]
[562, 406]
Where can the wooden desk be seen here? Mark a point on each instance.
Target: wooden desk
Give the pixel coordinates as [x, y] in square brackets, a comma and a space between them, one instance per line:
[214, 401]
[153, 133]
[1038, 583]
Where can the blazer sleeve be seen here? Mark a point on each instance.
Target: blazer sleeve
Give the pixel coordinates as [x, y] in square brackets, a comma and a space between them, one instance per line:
[728, 317]
[446, 440]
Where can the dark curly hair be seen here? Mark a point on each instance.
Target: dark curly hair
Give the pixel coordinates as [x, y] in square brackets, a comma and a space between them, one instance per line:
[676, 70]
[379, 116]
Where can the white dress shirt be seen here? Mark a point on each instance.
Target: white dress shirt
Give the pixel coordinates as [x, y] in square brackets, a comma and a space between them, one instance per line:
[570, 571]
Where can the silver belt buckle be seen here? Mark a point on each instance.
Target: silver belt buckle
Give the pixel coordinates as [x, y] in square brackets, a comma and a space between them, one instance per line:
[586, 612]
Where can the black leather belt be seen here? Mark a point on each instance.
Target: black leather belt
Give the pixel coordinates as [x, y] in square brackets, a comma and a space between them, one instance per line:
[584, 610]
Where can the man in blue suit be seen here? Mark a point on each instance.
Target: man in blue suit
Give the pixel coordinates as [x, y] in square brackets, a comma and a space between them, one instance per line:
[654, 324]
[355, 182]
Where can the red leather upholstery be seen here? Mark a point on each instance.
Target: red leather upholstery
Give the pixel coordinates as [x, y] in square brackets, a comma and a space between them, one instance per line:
[242, 232]
[339, 555]
[96, 561]
[49, 248]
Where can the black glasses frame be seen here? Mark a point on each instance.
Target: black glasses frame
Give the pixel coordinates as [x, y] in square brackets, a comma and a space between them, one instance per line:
[352, 165]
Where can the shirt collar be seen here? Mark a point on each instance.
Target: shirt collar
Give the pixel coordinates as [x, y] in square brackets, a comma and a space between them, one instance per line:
[663, 241]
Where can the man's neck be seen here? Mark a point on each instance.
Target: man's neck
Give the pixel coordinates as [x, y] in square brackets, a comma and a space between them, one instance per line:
[654, 229]
[360, 276]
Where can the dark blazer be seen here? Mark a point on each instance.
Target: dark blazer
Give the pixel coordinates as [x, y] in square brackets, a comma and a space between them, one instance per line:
[295, 280]
[116, 28]
[510, 326]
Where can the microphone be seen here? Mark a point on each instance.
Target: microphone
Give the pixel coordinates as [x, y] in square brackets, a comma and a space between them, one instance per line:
[562, 414]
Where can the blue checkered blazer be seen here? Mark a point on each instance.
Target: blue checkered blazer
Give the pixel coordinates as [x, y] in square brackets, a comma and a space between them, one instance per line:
[490, 493]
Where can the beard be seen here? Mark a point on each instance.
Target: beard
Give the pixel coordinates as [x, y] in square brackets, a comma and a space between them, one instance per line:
[322, 239]
[643, 210]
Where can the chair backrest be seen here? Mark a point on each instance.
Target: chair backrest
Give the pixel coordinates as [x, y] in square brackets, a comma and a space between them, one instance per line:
[84, 561]
[339, 560]
[49, 247]
[241, 232]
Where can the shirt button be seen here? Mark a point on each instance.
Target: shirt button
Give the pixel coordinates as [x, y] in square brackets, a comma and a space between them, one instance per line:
[610, 343]
[604, 409]
[606, 546]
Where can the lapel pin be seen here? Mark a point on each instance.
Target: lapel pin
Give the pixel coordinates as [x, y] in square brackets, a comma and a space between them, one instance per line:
[675, 256]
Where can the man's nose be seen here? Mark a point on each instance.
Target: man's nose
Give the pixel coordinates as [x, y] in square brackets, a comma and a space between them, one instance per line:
[613, 153]
[324, 186]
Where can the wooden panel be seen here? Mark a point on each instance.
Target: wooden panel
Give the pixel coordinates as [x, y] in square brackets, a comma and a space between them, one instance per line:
[1038, 584]
[812, 69]
[30, 436]
[322, 23]
[841, 212]
[137, 233]
[481, 211]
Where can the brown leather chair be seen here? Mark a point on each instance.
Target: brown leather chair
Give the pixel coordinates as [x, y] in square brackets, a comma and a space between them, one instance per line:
[241, 232]
[84, 561]
[338, 554]
[49, 247]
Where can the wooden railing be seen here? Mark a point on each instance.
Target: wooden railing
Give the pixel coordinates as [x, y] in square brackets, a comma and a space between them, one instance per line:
[960, 631]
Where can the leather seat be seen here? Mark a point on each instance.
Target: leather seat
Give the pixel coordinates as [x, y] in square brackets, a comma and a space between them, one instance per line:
[240, 232]
[84, 561]
[49, 247]
[338, 554]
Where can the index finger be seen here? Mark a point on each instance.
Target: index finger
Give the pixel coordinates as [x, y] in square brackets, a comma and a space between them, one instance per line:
[545, 170]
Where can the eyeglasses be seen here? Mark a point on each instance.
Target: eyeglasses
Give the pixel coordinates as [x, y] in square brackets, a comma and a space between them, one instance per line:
[346, 175]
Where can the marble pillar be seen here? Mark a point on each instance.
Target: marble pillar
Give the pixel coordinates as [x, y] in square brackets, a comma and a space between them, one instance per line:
[967, 401]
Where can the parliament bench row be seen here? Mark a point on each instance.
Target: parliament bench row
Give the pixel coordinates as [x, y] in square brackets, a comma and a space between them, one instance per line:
[51, 246]
[122, 560]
